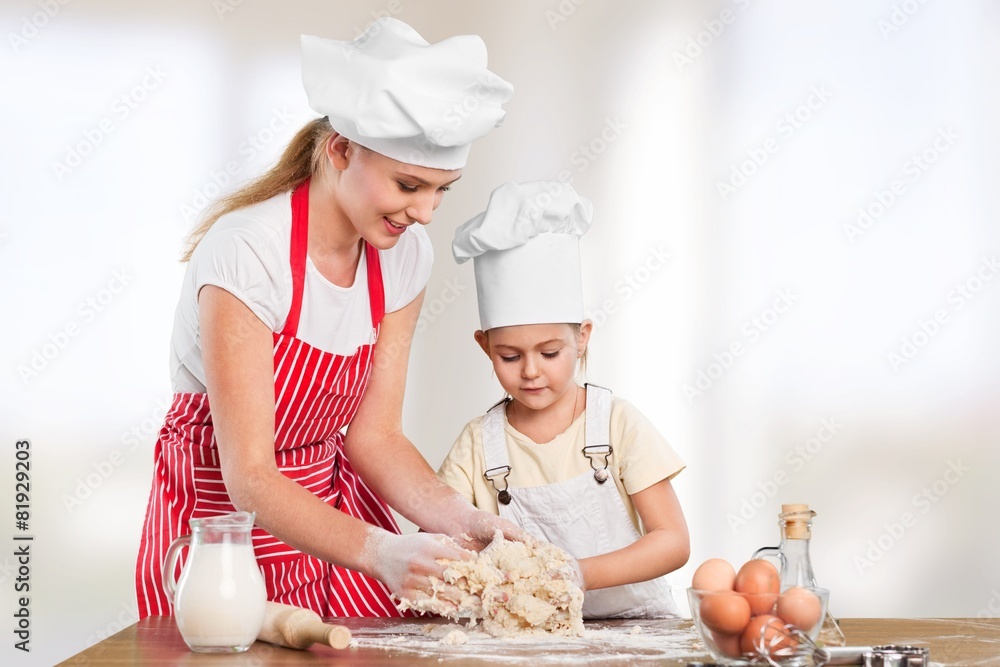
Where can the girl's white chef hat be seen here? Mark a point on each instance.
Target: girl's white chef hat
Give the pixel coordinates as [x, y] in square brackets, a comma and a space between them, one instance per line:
[526, 252]
[391, 91]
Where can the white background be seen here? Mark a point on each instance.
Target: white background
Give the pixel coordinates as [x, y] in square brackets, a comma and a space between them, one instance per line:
[119, 118]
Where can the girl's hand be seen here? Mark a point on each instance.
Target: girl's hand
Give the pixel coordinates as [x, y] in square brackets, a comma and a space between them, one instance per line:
[477, 528]
[573, 572]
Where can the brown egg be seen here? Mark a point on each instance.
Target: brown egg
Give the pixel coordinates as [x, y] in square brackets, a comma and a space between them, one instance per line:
[769, 629]
[728, 645]
[760, 580]
[715, 574]
[725, 612]
[800, 607]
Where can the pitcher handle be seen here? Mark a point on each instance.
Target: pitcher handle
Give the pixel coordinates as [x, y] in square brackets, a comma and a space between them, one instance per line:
[169, 583]
[772, 552]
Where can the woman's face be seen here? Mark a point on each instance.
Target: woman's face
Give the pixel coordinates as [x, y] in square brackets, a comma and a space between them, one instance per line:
[382, 196]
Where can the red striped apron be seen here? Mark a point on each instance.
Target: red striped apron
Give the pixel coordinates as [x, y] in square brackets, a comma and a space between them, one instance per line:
[316, 394]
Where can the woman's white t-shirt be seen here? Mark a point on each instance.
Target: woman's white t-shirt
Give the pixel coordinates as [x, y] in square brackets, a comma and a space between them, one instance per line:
[247, 253]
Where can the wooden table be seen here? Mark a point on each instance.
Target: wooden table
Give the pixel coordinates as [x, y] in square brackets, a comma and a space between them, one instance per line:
[156, 641]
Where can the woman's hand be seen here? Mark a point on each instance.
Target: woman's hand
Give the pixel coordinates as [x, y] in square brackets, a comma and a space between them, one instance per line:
[405, 563]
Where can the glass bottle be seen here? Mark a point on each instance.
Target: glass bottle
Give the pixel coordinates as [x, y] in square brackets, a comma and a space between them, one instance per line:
[795, 522]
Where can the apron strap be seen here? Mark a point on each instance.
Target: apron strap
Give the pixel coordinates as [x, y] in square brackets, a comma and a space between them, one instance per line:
[598, 420]
[495, 448]
[598, 430]
[299, 250]
[376, 290]
[299, 253]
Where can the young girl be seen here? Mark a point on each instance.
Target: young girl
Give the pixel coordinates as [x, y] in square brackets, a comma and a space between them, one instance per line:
[571, 464]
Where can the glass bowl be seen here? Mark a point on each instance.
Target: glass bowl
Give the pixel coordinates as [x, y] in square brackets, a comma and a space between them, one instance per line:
[759, 628]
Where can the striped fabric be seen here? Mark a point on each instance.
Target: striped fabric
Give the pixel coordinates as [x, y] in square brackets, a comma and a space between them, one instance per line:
[316, 395]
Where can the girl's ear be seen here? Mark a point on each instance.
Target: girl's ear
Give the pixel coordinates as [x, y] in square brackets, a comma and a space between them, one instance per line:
[583, 338]
[483, 340]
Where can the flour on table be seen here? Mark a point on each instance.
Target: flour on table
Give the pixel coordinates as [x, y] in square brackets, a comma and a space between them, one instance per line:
[455, 638]
[512, 588]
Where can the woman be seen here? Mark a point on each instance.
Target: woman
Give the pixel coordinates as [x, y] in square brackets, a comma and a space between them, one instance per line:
[300, 299]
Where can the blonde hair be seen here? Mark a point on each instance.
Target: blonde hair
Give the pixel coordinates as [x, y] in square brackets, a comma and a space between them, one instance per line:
[302, 158]
[581, 369]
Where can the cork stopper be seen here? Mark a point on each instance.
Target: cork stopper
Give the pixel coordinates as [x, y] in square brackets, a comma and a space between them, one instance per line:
[796, 520]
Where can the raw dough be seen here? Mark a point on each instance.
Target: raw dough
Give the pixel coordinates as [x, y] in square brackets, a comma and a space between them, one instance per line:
[455, 638]
[513, 588]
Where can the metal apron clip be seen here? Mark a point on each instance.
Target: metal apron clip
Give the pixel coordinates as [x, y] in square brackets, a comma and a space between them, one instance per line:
[590, 451]
[503, 495]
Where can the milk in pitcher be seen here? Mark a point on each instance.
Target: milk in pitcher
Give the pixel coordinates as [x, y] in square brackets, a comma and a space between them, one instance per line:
[220, 598]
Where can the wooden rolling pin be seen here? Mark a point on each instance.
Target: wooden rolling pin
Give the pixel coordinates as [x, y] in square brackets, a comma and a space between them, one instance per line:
[295, 627]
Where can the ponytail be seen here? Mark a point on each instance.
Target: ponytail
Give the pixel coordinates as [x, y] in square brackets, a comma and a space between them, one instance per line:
[302, 158]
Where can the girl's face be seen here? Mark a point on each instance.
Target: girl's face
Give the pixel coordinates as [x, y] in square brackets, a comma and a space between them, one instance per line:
[536, 363]
[384, 196]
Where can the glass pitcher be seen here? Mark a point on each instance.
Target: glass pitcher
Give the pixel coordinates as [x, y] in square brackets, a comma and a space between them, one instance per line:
[796, 569]
[219, 599]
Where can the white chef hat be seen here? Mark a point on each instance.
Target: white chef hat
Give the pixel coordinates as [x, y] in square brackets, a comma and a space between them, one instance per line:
[526, 252]
[391, 91]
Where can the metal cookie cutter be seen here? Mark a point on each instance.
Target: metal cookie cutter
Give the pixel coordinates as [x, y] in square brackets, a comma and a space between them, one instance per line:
[898, 656]
[876, 656]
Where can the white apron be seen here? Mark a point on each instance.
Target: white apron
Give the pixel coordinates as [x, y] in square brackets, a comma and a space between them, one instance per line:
[580, 515]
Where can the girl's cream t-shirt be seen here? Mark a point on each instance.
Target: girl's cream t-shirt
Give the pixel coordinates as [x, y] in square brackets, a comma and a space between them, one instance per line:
[642, 457]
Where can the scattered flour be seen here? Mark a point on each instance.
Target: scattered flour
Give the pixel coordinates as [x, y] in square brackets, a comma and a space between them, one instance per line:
[610, 642]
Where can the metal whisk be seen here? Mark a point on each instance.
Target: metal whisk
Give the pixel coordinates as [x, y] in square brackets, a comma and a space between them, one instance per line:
[794, 648]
